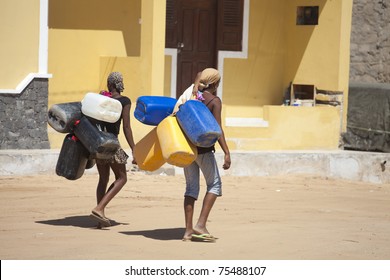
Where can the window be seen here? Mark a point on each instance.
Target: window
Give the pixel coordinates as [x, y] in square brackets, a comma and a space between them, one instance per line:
[307, 15]
[230, 18]
[229, 24]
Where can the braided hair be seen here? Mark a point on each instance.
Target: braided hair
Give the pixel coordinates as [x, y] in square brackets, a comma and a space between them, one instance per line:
[115, 79]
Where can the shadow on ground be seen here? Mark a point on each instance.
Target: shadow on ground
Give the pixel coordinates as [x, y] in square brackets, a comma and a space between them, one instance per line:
[76, 221]
[159, 234]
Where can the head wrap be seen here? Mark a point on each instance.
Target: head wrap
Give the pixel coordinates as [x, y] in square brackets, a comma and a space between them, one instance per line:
[208, 77]
[115, 79]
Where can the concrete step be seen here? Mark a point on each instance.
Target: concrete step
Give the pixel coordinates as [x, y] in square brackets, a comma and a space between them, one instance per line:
[337, 164]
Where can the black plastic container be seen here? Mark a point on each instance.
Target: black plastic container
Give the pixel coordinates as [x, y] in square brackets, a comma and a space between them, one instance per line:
[100, 144]
[72, 159]
[62, 116]
[90, 163]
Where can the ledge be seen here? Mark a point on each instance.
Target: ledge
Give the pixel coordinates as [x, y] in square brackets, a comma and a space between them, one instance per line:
[357, 166]
[26, 81]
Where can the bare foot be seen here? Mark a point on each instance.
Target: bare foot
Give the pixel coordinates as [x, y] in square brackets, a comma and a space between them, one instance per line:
[100, 213]
[100, 218]
[204, 231]
[188, 235]
[200, 230]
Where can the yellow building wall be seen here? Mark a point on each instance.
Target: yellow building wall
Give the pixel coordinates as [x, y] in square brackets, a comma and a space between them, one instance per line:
[19, 46]
[74, 61]
[257, 80]
[290, 128]
[305, 127]
[167, 76]
[280, 52]
[80, 59]
[313, 52]
[80, 34]
[345, 47]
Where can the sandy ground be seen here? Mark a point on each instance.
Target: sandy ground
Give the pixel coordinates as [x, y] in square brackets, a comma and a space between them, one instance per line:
[301, 218]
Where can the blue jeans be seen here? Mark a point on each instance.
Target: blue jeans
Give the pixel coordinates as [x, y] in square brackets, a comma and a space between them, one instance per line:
[208, 165]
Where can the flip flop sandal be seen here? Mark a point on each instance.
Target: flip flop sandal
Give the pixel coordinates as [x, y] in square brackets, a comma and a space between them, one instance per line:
[203, 237]
[104, 221]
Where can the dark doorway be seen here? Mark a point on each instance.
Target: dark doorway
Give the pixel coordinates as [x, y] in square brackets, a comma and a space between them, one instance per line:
[198, 29]
[193, 32]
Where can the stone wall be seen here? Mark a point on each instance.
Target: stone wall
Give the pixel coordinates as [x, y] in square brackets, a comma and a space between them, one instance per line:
[368, 131]
[370, 41]
[23, 117]
[369, 89]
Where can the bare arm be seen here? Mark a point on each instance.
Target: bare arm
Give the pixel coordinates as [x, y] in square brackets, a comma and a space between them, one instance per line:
[196, 83]
[127, 128]
[217, 111]
[187, 94]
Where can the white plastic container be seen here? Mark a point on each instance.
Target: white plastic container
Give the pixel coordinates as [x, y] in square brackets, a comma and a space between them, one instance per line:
[100, 107]
[297, 102]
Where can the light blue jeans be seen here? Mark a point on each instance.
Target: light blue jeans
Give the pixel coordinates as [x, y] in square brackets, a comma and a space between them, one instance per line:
[208, 165]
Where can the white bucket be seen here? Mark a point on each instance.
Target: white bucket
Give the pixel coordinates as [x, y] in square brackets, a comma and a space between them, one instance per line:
[101, 107]
[307, 103]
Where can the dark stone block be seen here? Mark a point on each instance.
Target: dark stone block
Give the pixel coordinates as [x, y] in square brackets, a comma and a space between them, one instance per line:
[23, 118]
[368, 118]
